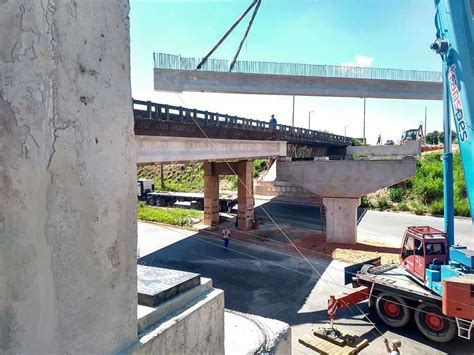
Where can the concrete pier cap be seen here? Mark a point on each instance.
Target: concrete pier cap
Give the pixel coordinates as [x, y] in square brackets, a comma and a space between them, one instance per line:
[341, 184]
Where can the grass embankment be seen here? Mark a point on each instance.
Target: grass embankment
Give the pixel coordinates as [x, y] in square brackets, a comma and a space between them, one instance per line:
[190, 177]
[424, 192]
[173, 216]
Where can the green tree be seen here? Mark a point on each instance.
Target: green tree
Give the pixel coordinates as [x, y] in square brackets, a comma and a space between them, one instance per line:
[432, 137]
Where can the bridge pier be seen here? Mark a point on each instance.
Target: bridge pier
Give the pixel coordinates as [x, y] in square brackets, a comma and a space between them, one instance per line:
[341, 219]
[244, 171]
[245, 214]
[211, 194]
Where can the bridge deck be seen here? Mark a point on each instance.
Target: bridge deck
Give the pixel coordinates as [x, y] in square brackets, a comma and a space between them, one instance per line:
[166, 120]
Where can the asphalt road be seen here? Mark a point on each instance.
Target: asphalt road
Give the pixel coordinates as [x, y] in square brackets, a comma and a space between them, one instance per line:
[274, 283]
[385, 227]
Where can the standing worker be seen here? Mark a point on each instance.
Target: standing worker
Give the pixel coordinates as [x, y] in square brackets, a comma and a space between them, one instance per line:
[395, 345]
[379, 140]
[226, 238]
[273, 122]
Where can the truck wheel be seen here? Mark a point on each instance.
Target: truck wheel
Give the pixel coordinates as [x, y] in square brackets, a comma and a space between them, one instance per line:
[392, 310]
[152, 201]
[434, 324]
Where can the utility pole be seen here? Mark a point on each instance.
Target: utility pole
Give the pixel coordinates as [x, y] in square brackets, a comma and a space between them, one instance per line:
[309, 119]
[345, 130]
[363, 126]
[426, 117]
[293, 114]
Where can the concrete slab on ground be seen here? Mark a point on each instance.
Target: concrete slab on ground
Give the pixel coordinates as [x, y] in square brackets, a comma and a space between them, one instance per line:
[157, 285]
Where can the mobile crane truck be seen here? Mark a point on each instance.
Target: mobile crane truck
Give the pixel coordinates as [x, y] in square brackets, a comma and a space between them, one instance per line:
[434, 282]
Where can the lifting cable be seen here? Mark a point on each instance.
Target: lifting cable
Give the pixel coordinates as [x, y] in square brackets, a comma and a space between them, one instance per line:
[229, 31]
[265, 211]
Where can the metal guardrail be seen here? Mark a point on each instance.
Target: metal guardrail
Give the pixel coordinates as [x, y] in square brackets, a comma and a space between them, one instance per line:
[170, 61]
[153, 110]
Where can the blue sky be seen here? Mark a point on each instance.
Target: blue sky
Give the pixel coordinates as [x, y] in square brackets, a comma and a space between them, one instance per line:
[382, 33]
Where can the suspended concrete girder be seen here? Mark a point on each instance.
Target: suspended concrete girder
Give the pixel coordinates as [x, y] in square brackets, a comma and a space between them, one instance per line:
[172, 80]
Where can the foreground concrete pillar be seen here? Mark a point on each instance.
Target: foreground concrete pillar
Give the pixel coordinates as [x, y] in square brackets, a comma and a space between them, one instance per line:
[67, 178]
[245, 201]
[211, 194]
[341, 219]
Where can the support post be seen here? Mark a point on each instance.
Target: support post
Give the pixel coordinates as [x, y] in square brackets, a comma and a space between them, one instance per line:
[341, 219]
[245, 214]
[448, 194]
[211, 194]
[363, 127]
[68, 224]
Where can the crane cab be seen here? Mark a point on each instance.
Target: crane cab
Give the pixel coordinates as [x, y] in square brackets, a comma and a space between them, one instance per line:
[423, 246]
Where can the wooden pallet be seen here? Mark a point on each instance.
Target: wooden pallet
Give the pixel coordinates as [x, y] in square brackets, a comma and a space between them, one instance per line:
[347, 344]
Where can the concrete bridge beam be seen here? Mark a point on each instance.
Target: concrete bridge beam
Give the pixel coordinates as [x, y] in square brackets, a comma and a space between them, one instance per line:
[158, 149]
[172, 80]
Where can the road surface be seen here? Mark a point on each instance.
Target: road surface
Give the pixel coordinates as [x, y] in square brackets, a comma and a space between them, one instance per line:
[385, 227]
[273, 283]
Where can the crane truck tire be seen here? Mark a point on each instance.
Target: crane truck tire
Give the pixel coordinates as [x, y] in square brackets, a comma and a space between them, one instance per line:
[392, 310]
[434, 324]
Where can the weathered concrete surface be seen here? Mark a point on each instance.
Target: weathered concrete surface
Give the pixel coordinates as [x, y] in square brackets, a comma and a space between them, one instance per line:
[198, 328]
[180, 149]
[241, 83]
[345, 178]
[67, 178]
[251, 334]
[410, 148]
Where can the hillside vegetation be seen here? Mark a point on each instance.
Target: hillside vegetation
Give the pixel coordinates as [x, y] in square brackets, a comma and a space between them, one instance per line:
[190, 177]
[424, 192]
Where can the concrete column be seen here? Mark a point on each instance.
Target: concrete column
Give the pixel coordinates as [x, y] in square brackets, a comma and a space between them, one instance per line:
[341, 219]
[67, 178]
[211, 194]
[245, 195]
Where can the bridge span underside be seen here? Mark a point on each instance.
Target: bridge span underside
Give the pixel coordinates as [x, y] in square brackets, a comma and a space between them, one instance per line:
[173, 80]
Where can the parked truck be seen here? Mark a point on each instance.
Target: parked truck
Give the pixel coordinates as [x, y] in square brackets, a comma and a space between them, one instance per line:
[146, 192]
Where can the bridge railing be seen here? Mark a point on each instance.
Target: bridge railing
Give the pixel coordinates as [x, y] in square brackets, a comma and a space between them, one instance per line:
[170, 61]
[152, 110]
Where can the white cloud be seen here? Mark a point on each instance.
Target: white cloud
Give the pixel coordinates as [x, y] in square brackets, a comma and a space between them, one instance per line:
[360, 61]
